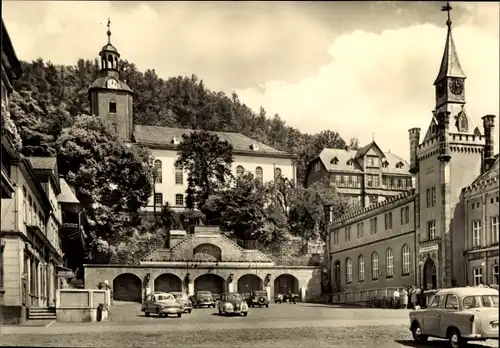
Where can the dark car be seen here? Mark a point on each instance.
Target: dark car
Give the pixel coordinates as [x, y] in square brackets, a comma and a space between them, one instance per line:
[258, 298]
[203, 299]
[232, 303]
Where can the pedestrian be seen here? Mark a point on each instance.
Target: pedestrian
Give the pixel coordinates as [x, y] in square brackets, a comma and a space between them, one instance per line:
[404, 298]
[414, 297]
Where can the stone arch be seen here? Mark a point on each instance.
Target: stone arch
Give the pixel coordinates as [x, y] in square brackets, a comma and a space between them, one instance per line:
[127, 287]
[168, 282]
[209, 282]
[250, 282]
[285, 283]
[110, 61]
[429, 274]
[207, 252]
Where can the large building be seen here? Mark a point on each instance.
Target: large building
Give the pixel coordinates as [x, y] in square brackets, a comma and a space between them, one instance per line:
[365, 176]
[32, 234]
[445, 231]
[112, 99]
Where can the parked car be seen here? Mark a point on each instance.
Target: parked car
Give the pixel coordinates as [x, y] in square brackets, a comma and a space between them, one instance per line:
[258, 298]
[216, 297]
[182, 298]
[459, 315]
[232, 303]
[162, 304]
[284, 298]
[278, 298]
[202, 299]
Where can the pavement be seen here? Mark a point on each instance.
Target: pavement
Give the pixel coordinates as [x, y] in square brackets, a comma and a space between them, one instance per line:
[280, 325]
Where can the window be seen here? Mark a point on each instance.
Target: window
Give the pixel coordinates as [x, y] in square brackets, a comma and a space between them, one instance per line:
[407, 215]
[158, 172]
[385, 164]
[239, 170]
[277, 173]
[348, 234]
[335, 237]
[451, 302]
[476, 233]
[259, 175]
[431, 229]
[428, 191]
[362, 229]
[388, 220]
[406, 259]
[334, 161]
[361, 268]
[494, 229]
[358, 230]
[369, 180]
[338, 178]
[402, 217]
[433, 196]
[25, 206]
[376, 181]
[403, 184]
[112, 106]
[369, 161]
[348, 265]
[354, 181]
[317, 166]
[30, 210]
[435, 302]
[399, 165]
[179, 199]
[115, 127]
[373, 200]
[374, 266]
[389, 255]
[179, 175]
[346, 180]
[495, 274]
[478, 275]
[159, 199]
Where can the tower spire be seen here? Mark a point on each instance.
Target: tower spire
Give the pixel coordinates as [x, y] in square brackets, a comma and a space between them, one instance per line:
[109, 31]
[450, 64]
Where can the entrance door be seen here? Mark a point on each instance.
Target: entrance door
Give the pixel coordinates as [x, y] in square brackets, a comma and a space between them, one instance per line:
[337, 276]
[430, 279]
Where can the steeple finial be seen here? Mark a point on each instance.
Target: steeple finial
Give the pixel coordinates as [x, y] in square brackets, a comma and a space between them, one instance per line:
[109, 31]
[373, 136]
[448, 9]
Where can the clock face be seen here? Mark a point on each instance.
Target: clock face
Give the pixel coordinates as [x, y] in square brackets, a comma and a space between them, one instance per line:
[440, 90]
[112, 83]
[456, 86]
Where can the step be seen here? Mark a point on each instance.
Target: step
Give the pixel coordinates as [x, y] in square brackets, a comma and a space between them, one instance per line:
[43, 317]
[41, 309]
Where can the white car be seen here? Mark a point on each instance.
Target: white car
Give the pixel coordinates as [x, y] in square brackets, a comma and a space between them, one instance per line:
[459, 315]
[162, 304]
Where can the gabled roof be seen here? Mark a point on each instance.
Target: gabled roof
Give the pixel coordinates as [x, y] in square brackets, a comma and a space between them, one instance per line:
[450, 65]
[493, 172]
[67, 194]
[164, 137]
[363, 150]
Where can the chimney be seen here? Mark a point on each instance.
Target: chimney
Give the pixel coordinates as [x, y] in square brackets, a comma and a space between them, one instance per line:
[414, 141]
[444, 129]
[488, 125]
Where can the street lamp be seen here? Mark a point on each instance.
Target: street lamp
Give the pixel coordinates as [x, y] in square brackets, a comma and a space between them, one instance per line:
[328, 220]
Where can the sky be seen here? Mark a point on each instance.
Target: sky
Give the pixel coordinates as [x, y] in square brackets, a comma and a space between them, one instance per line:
[363, 69]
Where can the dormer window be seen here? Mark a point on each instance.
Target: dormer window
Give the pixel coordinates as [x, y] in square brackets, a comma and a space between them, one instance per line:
[385, 164]
[399, 165]
[350, 162]
[334, 161]
[176, 141]
[254, 147]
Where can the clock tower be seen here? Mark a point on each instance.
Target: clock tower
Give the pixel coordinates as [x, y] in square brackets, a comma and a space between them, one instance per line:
[111, 98]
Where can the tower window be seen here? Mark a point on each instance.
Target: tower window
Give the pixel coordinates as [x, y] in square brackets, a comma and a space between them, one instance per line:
[112, 107]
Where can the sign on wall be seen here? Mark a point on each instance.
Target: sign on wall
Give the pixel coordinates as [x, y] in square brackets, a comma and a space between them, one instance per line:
[429, 249]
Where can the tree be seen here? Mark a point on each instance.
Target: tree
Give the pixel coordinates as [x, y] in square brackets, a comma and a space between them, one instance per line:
[168, 218]
[113, 180]
[207, 160]
[354, 143]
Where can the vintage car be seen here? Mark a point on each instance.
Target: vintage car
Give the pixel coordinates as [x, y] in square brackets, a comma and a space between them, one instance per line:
[284, 298]
[202, 299]
[459, 315]
[258, 298]
[182, 298]
[232, 303]
[162, 304]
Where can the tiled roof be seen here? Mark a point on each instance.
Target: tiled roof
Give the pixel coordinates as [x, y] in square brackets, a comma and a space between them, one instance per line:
[344, 156]
[44, 163]
[164, 136]
[491, 173]
[67, 194]
[102, 81]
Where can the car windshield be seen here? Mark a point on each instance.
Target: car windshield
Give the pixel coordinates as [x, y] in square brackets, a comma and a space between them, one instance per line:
[260, 293]
[481, 301]
[233, 297]
[204, 294]
[163, 297]
[180, 295]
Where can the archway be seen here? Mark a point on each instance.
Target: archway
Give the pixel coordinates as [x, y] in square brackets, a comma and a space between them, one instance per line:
[337, 276]
[249, 282]
[207, 252]
[127, 287]
[430, 279]
[286, 283]
[209, 282]
[168, 282]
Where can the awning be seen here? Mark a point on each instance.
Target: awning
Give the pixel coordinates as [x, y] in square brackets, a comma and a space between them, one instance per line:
[64, 272]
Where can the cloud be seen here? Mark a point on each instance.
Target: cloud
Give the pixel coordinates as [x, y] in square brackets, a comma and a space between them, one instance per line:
[383, 83]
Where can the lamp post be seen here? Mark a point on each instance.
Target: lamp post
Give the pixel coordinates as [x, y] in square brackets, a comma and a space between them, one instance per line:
[328, 219]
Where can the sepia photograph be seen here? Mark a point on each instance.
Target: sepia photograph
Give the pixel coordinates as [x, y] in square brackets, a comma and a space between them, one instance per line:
[250, 174]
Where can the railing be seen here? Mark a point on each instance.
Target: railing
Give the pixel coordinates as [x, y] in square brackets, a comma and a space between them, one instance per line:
[362, 296]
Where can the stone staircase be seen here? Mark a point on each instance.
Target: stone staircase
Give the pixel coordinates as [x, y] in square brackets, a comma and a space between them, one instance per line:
[42, 313]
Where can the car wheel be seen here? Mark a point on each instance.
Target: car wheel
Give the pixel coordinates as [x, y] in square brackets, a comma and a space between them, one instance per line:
[189, 310]
[245, 314]
[179, 315]
[147, 314]
[220, 312]
[267, 306]
[416, 332]
[456, 340]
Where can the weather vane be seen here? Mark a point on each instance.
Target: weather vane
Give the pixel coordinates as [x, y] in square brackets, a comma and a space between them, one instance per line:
[109, 31]
[448, 9]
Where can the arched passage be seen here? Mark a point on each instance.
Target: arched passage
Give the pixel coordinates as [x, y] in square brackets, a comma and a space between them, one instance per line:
[209, 282]
[249, 282]
[207, 252]
[168, 282]
[286, 283]
[127, 287]
[430, 279]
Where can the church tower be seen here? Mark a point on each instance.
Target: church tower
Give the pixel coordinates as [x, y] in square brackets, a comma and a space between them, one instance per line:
[448, 159]
[111, 98]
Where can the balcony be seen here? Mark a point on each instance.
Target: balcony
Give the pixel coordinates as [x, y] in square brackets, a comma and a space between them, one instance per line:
[6, 184]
